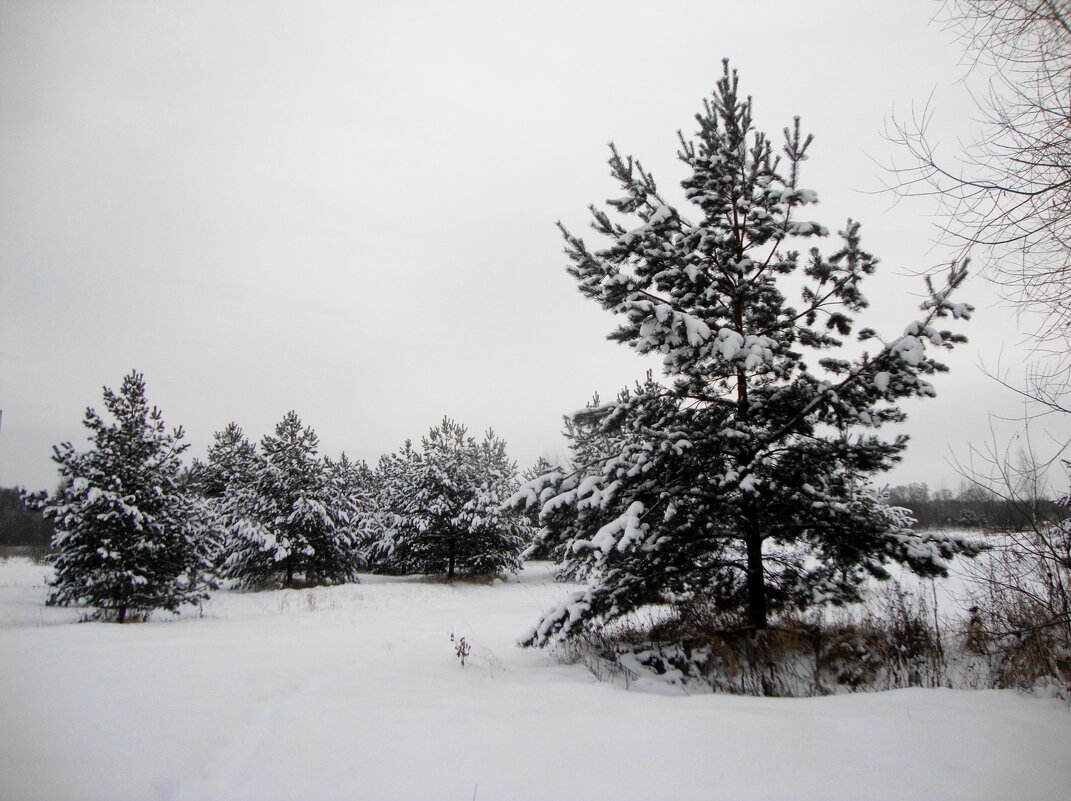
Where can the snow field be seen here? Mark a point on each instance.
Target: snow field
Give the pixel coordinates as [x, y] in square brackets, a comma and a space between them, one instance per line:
[354, 692]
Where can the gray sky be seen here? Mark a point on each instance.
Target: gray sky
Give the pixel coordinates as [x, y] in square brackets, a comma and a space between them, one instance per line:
[347, 208]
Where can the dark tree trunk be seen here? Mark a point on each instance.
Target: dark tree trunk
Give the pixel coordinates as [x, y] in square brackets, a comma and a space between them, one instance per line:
[450, 568]
[756, 578]
[756, 583]
[122, 614]
[289, 571]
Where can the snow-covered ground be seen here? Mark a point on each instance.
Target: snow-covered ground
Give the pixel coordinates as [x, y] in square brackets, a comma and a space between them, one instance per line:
[355, 692]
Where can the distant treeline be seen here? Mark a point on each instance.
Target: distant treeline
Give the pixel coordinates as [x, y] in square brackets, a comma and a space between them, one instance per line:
[20, 525]
[972, 507]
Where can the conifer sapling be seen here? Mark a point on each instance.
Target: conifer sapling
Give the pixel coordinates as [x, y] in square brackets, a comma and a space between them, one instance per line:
[125, 530]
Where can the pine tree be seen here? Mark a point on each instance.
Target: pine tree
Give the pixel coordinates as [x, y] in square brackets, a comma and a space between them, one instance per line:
[287, 520]
[351, 488]
[542, 547]
[124, 530]
[232, 462]
[744, 480]
[231, 459]
[446, 512]
[497, 535]
[388, 524]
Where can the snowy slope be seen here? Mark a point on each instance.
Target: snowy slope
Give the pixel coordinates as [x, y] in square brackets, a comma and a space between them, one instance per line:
[355, 692]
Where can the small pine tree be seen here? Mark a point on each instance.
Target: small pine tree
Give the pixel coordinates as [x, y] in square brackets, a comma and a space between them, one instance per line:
[286, 520]
[124, 530]
[387, 523]
[446, 512]
[544, 545]
[232, 462]
[744, 482]
[350, 487]
[231, 459]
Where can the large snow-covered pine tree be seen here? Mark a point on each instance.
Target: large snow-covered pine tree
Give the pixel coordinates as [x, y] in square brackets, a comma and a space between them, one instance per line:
[287, 521]
[743, 481]
[124, 533]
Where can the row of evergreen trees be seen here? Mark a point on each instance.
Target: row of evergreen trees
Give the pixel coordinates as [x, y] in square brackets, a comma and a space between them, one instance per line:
[137, 531]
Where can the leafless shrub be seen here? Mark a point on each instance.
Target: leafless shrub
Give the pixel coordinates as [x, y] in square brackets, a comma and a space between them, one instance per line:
[1020, 617]
[893, 642]
[1019, 601]
[462, 649]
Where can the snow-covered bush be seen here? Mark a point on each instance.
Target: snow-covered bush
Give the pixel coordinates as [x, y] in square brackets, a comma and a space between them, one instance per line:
[125, 532]
[744, 479]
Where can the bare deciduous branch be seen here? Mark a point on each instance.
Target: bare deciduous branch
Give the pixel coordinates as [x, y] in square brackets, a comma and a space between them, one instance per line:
[1008, 194]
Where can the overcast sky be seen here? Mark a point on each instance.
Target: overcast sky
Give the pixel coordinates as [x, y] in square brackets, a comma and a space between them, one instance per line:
[347, 208]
